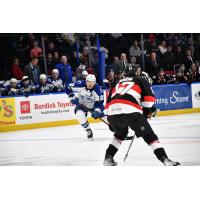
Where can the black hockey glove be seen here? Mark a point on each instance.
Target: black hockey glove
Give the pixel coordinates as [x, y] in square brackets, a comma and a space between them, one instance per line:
[153, 111]
[147, 113]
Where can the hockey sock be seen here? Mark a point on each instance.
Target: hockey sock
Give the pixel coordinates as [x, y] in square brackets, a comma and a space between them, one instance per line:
[86, 125]
[160, 154]
[81, 117]
[158, 150]
[113, 147]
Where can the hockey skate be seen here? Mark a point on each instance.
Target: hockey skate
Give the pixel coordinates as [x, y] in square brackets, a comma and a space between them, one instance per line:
[109, 161]
[89, 134]
[168, 162]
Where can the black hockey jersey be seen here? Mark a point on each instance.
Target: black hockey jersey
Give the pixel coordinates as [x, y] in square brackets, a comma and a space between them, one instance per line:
[128, 96]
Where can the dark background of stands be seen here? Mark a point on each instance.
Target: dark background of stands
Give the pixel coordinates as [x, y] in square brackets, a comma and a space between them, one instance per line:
[11, 47]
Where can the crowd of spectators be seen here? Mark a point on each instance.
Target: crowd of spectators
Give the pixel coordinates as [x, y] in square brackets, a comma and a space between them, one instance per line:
[168, 58]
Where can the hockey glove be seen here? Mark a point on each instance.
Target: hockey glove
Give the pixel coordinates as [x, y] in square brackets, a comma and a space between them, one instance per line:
[73, 99]
[147, 113]
[97, 113]
[153, 111]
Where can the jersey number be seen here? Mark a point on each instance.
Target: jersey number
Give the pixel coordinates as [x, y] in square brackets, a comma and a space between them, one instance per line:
[124, 87]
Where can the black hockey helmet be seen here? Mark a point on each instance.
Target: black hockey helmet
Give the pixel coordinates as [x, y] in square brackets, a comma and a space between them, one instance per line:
[129, 71]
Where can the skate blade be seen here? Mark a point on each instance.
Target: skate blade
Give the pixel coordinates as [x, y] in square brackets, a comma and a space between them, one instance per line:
[105, 164]
[90, 139]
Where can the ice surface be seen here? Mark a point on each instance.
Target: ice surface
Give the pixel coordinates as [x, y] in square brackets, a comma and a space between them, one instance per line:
[68, 145]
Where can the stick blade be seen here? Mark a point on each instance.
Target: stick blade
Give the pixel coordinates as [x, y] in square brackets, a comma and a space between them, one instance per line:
[125, 157]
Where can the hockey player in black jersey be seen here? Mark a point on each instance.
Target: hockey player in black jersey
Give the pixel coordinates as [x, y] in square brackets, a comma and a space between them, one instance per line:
[139, 73]
[129, 105]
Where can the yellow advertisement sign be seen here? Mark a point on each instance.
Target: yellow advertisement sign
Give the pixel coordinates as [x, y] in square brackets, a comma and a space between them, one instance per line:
[7, 112]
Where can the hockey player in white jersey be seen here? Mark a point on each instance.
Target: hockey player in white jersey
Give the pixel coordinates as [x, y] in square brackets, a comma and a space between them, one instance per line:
[89, 99]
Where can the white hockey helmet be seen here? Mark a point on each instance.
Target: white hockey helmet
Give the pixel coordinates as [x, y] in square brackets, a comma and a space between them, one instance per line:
[55, 71]
[84, 73]
[91, 77]
[43, 76]
[13, 80]
[25, 78]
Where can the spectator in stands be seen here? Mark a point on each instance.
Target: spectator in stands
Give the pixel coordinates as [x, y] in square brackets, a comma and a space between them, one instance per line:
[65, 72]
[69, 37]
[76, 58]
[56, 81]
[32, 70]
[43, 86]
[84, 58]
[22, 43]
[133, 61]
[179, 56]
[179, 77]
[36, 50]
[110, 79]
[56, 58]
[162, 47]
[135, 50]
[170, 59]
[93, 69]
[50, 64]
[152, 66]
[162, 53]
[62, 46]
[12, 89]
[112, 65]
[51, 48]
[183, 69]
[16, 70]
[25, 87]
[122, 64]
[79, 71]
[41, 62]
[188, 60]
[193, 73]
[116, 59]
[161, 78]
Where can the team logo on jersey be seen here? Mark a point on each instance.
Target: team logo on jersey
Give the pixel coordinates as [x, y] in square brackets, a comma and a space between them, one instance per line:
[88, 98]
[25, 107]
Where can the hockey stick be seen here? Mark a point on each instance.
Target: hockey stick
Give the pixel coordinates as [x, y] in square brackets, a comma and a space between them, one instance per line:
[126, 156]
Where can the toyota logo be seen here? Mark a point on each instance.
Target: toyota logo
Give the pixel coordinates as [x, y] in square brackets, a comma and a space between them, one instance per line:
[25, 107]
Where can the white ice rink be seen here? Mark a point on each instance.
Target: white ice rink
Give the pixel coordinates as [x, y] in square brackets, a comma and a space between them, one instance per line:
[67, 145]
